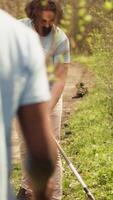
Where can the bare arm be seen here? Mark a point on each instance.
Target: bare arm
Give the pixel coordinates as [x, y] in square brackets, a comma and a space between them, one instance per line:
[36, 128]
[57, 89]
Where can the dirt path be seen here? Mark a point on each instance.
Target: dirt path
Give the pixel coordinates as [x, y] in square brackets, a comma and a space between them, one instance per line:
[76, 74]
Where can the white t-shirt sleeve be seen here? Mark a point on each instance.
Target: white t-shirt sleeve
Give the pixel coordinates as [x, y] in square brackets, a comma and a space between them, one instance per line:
[37, 87]
[62, 53]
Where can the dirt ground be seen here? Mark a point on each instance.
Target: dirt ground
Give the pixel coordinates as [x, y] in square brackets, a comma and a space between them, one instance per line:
[76, 74]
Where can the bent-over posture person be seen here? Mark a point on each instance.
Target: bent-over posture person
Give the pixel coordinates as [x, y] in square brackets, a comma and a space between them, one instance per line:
[42, 18]
[24, 90]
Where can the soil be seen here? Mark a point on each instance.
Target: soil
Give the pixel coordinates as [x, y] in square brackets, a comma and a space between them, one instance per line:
[76, 74]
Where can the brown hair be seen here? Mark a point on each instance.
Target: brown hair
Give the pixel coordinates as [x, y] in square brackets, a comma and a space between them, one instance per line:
[35, 7]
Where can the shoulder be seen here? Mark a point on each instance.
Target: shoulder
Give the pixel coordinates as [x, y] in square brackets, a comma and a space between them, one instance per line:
[17, 36]
[60, 36]
[15, 25]
[26, 21]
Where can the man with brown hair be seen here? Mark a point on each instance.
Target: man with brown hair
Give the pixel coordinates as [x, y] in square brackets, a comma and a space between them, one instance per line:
[43, 16]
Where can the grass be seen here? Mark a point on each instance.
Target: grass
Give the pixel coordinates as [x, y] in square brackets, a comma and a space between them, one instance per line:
[16, 177]
[90, 144]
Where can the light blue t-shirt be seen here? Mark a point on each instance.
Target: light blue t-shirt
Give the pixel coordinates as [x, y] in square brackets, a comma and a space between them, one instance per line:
[23, 78]
[55, 44]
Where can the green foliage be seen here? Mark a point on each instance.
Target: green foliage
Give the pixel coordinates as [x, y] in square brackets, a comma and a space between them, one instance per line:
[84, 17]
[67, 17]
[108, 5]
[101, 28]
[90, 144]
[14, 7]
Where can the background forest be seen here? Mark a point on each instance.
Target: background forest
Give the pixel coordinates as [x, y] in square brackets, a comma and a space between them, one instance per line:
[89, 25]
[82, 19]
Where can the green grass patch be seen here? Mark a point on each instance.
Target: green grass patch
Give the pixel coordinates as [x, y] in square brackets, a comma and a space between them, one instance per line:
[90, 146]
[16, 177]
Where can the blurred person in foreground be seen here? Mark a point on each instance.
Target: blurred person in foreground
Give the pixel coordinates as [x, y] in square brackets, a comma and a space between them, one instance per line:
[24, 90]
[43, 16]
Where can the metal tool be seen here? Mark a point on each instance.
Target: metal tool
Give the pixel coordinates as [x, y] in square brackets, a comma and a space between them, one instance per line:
[73, 169]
